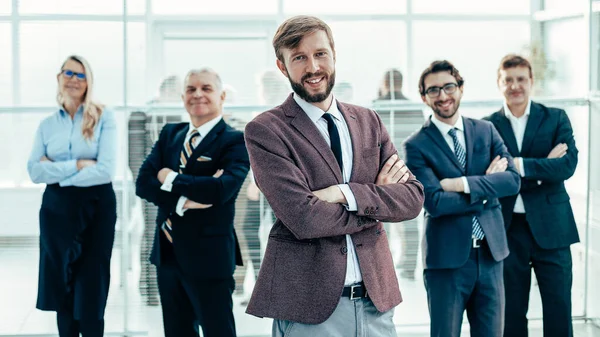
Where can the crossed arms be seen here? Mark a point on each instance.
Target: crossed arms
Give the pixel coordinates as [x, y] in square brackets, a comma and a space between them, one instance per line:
[395, 195]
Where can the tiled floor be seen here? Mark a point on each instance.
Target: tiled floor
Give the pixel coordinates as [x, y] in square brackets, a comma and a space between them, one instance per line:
[18, 316]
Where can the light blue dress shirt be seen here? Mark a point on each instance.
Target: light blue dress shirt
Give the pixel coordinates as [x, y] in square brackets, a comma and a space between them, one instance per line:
[59, 138]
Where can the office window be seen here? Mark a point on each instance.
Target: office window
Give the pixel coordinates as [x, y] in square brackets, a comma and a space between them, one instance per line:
[471, 7]
[569, 6]
[364, 51]
[136, 64]
[566, 52]
[5, 7]
[344, 7]
[475, 48]
[45, 45]
[6, 91]
[80, 7]
[214, 7]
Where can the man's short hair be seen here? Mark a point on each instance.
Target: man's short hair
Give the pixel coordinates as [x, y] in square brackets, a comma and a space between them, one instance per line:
[293, 30]
[513, 61]
[438, 67]
[219, 83]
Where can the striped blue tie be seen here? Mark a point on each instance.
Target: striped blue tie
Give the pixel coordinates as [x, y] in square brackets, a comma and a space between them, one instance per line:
[462, 159]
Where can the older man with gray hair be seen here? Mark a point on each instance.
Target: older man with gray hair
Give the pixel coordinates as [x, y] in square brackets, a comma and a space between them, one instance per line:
[194, 174]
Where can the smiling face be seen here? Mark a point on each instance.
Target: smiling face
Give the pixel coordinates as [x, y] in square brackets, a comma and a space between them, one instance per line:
[446, 104]
[203, 97]
[515, 84]
[310, 68]
[69, 84]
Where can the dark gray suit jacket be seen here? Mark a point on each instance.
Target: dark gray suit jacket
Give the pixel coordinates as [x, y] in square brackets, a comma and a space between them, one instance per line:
[303, 271]
[547, 205]
[448, 215]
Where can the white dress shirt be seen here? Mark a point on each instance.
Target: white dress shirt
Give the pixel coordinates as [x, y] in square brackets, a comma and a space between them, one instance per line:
[518, 125]
[203, 130]
[460, 134]
[315, 114]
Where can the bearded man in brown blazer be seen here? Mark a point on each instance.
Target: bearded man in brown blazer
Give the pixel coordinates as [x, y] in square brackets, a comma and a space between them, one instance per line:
[332, 177]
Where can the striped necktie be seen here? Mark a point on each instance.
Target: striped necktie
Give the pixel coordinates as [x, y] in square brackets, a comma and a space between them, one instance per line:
[186, 153]
[477, 231]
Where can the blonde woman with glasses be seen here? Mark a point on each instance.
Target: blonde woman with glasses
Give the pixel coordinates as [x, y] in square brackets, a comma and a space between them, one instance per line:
[74, 154]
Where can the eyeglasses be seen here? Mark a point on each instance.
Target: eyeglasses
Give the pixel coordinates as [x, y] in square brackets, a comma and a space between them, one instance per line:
[448, 88]
[70, 73]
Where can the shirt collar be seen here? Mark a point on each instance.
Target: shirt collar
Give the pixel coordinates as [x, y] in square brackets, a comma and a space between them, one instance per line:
[64, 112]
[205, 128]
[315, 113]
[444, 128]
[509, 114]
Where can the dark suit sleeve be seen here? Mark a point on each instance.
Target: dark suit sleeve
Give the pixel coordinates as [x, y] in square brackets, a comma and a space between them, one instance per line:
[285, 186]
[555, 169]
[437, 201]
[147, 185]
[495, 185]
[216, 191]
[393, 202]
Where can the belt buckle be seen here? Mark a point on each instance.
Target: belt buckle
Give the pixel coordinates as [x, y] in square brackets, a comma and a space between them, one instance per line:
[476, 242]
[352, 287]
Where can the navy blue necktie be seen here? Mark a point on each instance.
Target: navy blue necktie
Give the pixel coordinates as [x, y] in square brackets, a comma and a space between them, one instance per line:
[462, 159]
[334, 136]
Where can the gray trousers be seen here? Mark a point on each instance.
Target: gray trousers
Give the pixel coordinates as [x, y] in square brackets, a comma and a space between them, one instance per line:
[357, 318]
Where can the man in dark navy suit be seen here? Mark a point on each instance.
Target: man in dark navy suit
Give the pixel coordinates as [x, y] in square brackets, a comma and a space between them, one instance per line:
[194, 174]
[464, 168]
[539, 220]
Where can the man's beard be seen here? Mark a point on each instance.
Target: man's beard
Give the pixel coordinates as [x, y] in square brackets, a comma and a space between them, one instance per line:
[316, 98]
[447, 115]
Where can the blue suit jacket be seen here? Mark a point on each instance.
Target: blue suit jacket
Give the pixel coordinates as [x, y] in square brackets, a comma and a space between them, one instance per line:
[547, 205]
[448, 215]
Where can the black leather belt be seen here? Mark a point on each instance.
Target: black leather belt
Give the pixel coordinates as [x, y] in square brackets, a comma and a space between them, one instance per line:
[355, 291]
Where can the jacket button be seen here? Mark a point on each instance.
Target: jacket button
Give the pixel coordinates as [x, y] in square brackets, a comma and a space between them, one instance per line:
[344, 250]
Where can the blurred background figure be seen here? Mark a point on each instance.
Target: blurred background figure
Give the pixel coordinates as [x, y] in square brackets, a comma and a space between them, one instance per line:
[169, 90]
[343, 91]
[404, 122]
[143, 130]
[391, 86]
[272, 88]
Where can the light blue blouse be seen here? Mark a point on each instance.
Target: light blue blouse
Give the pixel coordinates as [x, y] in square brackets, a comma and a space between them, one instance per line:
[59, 138]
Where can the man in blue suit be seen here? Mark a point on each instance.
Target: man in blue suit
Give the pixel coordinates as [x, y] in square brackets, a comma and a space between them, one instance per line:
[464, 168]
[539, 221]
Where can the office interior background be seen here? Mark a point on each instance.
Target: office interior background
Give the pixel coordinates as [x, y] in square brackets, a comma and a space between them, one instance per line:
[133, 45]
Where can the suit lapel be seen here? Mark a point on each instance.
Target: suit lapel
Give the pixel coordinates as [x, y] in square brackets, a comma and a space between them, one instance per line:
[178, 147]
[533, 123]
[302, 123]
[355, 137]
[434, 133]
[469, 140]
[206, 141]
[506, 131]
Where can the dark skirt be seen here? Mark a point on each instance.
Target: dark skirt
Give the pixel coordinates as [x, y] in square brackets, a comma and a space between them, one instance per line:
[77, 231]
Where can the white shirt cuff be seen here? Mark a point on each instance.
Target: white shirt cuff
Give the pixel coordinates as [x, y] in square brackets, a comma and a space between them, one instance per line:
[466, 188]
[351, 206]
[168, 184]
[179, 209]
[521, 167]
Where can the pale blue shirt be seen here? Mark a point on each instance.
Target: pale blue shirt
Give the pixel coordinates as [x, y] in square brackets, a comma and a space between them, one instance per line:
[315, 114]
[60, 139]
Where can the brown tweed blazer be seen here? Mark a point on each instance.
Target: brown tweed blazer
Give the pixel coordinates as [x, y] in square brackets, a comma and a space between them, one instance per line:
[302, 275]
